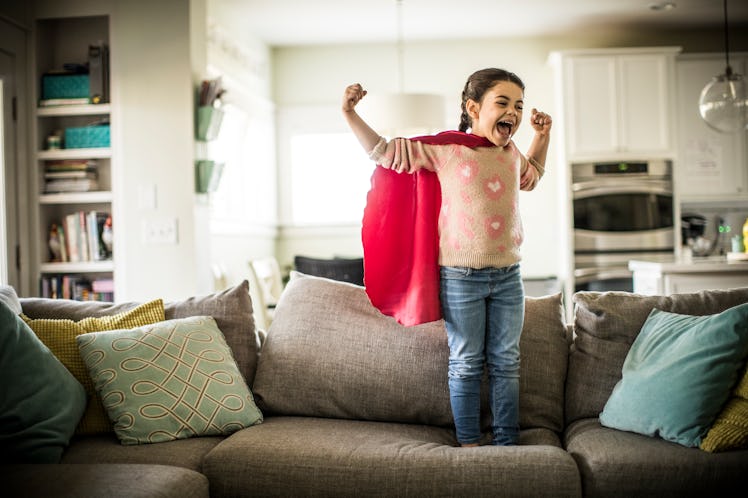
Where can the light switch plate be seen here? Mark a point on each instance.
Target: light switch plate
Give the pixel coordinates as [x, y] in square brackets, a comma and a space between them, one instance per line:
[163, 231]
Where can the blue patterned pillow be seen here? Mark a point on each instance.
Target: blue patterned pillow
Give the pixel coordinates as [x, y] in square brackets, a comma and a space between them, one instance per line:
[170, 380]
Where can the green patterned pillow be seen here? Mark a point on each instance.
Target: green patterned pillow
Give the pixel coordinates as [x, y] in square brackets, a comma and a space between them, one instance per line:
[171, 380]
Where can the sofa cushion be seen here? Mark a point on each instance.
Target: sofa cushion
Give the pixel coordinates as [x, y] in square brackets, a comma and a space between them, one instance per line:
[40, 400]
[59, 336]
[316, 457]
[330, 353]
[618, 464]
[170, 380]
[678, 374]
[107, 448]
[730, 430]
[100, 480]
[605, 326]
[231, 308]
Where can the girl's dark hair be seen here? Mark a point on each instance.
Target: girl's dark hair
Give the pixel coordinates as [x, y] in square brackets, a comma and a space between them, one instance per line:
[478, 84]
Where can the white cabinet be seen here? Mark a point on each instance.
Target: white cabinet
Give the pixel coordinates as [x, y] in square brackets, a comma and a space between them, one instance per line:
[617, 103]
[72, 181]
[710, 165]
[655, 278]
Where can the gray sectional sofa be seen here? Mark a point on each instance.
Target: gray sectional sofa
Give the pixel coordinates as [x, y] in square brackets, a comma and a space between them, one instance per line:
[356, 405]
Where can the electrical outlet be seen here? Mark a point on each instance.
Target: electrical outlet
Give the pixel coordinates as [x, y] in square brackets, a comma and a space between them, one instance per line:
[160, 232]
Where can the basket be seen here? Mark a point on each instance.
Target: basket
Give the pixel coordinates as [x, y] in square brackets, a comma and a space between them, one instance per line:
[86, 137]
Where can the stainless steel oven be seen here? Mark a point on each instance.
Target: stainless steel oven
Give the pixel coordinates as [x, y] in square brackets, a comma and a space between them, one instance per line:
[621, 211]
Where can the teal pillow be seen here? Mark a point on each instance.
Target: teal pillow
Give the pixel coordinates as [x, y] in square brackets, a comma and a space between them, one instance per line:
[678, 374]
[169, 380]
[40, 400]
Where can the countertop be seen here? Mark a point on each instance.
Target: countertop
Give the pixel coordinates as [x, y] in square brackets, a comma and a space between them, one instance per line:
[715, 264]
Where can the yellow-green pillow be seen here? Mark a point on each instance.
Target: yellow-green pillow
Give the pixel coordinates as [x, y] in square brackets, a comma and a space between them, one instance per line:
[59, 336]
[730, 429]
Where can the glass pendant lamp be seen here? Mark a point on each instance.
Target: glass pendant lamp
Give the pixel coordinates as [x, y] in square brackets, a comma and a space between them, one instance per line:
[724, 100]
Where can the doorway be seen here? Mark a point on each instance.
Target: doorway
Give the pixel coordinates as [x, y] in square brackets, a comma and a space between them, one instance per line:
[12, 153]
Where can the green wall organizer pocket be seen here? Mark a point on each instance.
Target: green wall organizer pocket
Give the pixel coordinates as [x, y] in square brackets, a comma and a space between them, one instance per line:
[207, 176]
[209, 120]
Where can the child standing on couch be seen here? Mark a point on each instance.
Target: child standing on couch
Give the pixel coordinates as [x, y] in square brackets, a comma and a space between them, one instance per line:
[480, 172]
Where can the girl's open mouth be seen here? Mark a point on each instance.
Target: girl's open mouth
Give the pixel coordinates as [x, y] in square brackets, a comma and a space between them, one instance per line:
[505, 128]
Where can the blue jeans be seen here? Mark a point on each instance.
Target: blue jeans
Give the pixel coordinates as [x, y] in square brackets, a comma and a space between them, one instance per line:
[484, 312]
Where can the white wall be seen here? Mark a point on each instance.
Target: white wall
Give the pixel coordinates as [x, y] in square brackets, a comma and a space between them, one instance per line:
[153, 102]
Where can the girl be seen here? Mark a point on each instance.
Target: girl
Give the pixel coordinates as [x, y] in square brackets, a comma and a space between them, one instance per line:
[479, 172]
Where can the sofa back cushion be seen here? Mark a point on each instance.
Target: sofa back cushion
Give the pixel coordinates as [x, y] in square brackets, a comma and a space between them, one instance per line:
[231, 309]
[605, 326]
[330, 353]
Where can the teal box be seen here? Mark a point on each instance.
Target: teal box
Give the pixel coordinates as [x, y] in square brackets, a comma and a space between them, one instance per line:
[65, 86]
[87, 137]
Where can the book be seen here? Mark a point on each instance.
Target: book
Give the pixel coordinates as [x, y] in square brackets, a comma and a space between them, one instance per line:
[62, 102]
[95, 221]
[71, 185]
[66, 165]
[70, 226]
[67, 175]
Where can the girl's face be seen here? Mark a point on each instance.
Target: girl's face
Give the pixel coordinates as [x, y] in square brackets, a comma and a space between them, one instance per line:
[498, 115]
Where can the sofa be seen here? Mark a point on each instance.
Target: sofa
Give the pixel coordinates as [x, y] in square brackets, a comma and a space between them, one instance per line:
[354, 404]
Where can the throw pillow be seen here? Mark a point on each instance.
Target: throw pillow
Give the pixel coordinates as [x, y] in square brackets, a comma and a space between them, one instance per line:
[59, 336]
[678, 374]
[40, 401]
[606, 325]
[171, 380]
[10, 298]
[330, 353]
[730, 430]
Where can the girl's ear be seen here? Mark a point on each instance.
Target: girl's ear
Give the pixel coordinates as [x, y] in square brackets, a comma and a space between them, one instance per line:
[473, 108]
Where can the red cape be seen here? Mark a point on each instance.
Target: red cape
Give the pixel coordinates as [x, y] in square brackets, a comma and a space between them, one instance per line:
[401, 238]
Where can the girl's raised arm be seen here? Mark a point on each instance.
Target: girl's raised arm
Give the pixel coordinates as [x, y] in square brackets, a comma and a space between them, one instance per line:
[366, 136]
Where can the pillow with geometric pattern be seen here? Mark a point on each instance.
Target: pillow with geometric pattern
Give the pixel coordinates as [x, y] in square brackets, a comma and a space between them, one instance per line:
[730, 430]
[170, 380]
[59, 336]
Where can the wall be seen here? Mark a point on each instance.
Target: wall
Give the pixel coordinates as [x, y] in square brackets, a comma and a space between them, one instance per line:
[249, 230]
[374, 65]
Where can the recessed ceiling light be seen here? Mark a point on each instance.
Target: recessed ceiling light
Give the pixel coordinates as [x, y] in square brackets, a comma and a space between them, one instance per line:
[662, 6]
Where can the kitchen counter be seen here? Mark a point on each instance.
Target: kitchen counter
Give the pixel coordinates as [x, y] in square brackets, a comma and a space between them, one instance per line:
[679, 276]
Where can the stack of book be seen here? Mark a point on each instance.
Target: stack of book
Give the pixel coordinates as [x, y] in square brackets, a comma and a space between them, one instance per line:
[70, 175]
[76, 287]
[80, 237]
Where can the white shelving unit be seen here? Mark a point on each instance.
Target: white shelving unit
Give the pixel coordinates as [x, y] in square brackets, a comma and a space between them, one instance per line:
[60, 41]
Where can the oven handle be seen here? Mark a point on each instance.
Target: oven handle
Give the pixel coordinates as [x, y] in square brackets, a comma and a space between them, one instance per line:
[586, 275]
[583, 191]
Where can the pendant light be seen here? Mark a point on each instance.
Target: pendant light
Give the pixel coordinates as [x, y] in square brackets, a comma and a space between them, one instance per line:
[404, 114]
[723, 103]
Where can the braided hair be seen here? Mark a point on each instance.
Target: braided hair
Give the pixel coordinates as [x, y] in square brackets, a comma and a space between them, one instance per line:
[478, 84]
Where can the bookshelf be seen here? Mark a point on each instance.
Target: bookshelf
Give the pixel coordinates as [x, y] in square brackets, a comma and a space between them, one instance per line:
[72, 177]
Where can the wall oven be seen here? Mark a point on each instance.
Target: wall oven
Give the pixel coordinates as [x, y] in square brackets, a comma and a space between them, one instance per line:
[621, 211]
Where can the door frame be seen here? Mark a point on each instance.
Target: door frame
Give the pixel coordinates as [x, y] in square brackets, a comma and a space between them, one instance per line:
[14, 44]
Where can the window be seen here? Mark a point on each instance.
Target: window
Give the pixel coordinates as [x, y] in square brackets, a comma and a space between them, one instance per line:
[245, 146]
[330, 177]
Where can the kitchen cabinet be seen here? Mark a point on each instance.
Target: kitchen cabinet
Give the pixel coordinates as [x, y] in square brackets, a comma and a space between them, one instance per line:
[710, 165]
[72, 177]
[658, 278]
[617, 103]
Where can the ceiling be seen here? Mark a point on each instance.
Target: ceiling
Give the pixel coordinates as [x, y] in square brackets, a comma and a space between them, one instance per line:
[305, 22]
